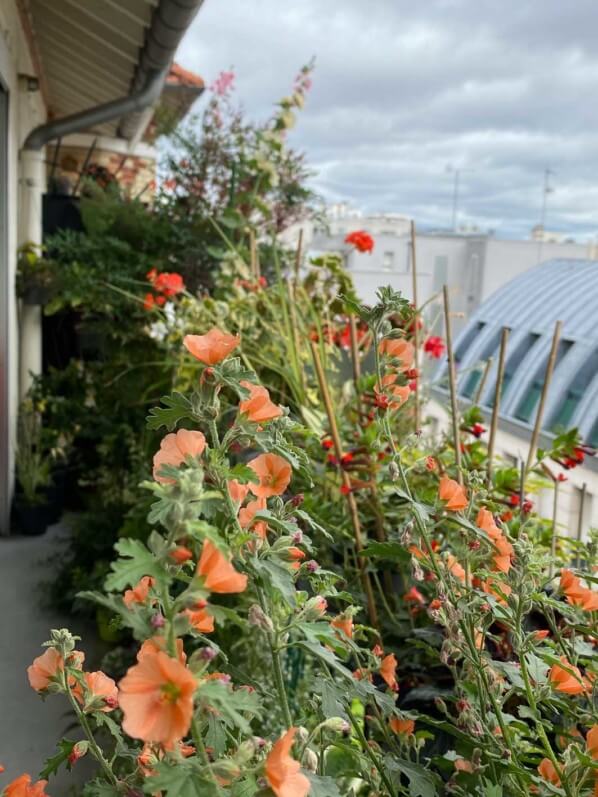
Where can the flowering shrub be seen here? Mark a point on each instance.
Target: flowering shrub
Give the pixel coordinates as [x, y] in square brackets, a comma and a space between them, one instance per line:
[513, 710]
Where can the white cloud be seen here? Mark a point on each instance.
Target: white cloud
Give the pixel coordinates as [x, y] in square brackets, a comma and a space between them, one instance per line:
[401, 89]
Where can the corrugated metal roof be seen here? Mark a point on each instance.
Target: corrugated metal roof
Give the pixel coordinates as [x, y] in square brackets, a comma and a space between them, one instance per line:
[565, 290]
[89, 50]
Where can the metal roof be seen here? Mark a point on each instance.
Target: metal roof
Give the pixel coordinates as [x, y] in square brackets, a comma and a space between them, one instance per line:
[530, 305]
[93, 51]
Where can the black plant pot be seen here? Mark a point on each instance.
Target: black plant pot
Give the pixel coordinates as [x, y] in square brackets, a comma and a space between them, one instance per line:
[32, 519]
[55, 493]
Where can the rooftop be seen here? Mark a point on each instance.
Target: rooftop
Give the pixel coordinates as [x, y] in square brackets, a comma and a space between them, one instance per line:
[530, 305]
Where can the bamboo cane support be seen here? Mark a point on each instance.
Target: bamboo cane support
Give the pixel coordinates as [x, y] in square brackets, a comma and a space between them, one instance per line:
[351, 503]
[547, 380]
[582, 500]
[298, 256]
[555, 508]
[483, 380]
[415, 325]
[452, 382]
[500, 375]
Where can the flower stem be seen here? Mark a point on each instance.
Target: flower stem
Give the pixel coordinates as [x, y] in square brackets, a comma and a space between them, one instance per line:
[97, 753]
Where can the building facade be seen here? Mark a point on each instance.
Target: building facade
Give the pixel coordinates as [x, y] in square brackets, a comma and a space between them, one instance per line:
[93, 70]
[530, 305]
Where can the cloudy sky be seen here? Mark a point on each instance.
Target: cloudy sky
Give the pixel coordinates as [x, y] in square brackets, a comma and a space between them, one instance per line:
[403, 91]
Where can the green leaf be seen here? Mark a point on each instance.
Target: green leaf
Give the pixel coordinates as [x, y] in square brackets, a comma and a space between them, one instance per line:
[52, 764]
[137, 621]
[322, 786]
[392, 551]
[99, 788]
[245, 788]
[243, 473]
[182, 780]
[276, 576]
[232, 705]
[422, 782]
[135, 562]
[177, 408]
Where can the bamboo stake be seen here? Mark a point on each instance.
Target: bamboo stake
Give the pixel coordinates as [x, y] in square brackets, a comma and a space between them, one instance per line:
[255, 263]
[483, 380]
[298, 255]
[367, 585]
[547, 379]
[582, 500]
[415, 325]
[555, 507]
[355, 360]
[452, 382]
[500, 375]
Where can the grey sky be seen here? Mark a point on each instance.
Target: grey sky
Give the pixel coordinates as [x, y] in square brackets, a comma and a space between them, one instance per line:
[401, 89]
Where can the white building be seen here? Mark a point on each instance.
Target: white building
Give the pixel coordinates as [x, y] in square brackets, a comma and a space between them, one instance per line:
[90, 68]
[474, 265]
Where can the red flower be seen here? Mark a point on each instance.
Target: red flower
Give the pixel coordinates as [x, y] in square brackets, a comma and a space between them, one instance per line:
[414, 596]
[477, 430]
[434, 346]
[361, 240]
[169, 284]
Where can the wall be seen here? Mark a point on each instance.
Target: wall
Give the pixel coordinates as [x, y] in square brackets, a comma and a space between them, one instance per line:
[26, 110]
[135, 166]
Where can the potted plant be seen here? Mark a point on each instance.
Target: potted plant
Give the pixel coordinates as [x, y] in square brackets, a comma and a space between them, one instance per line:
[32, 503]
[35, 276]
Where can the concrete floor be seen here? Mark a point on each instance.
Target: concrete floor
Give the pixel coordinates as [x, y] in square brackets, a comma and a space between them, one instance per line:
[30, 727]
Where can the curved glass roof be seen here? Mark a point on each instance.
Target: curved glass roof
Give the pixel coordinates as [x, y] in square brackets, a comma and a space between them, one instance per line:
[530, 305]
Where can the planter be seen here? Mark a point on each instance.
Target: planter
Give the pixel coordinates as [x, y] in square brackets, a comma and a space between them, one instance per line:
[37, 295]
[55, 493]
[31, 519]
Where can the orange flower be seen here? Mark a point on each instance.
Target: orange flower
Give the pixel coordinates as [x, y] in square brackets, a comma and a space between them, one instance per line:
[174, 450]
[258, 408]
[219, 575]
[200, 619]
[237, 491]
[396, 395]
[548, 772]
[158, 644]
[463, 765]
[402, 725]
[212, 347]
[455, 568]
[453, 493]
[247, 514]
[388, 671]
[592, 742]
[540, 634]
[398, 349]
[274, 474]
[44, 669]
[576, 593]
[140, 591]
[156, 697]
[180, 554]
[343, 623]
[571, 683]
[102, 691]
[494, 587]
[22, 787]
[283, 773]
[502, 559]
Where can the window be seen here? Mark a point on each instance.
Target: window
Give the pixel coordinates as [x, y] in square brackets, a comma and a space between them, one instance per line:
[566, 410]
[513, 363]
[440, 272]
[467, 339]
[593, 437]
[388, 261]
[534, 391]
[475, 377]
[580, 511]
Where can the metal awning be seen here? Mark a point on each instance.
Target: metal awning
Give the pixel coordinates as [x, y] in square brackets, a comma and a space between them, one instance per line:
[95, 51]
